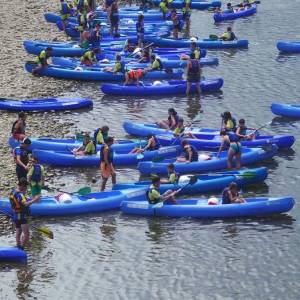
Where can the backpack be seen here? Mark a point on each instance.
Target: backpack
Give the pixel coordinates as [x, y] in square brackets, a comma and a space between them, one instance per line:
[37, 173]
[15, 204]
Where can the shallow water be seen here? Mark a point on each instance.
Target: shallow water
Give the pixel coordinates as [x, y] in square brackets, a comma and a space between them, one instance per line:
[113, 256]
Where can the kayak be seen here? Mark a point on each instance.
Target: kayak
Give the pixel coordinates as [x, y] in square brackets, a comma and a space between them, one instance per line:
[286, 110]
[213, 141]
[144, 129]
[63, 48]
[91, 74]
[55, 144]
[206, 183]
[174, 87]
[208, 162]
[45, 104]
[219, 17]
[72, 204]
[199, 208]
[200, 5]
[68, 159]
[132, 64]
[205, 43]
[288, 47]
[12, 254]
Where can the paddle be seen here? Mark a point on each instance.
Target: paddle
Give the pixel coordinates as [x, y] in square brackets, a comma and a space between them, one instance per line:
[44, 230]
[265, 125]
[242, 4]
[192, 181]
[140, 155]
[82, 191]
[137, 50]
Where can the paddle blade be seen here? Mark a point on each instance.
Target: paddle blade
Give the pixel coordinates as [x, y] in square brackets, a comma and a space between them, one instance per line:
[84, 191]
[45, 231]
[140, 156]
[158, 205]
[248, 175]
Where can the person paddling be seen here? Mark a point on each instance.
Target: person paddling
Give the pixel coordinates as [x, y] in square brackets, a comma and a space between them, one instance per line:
[241, 131]
[21, 158]
[42, 60]
[20, 206]
[106, 163]
[228, 35]
[18, 127]
[153, 195]
[36, 179]
[230, 195]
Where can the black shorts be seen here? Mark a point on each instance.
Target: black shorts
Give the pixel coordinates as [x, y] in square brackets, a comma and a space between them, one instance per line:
[21, 172]
[114, 20]
[193, 78]
[19, 219]
[177, 26]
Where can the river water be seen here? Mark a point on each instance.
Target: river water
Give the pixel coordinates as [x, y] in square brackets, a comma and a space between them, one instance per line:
[113, 256]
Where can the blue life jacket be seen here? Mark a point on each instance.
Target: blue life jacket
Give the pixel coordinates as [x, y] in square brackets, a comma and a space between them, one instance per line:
[243, 131]
[110, 154]
[194, 154]
[225, 196]
[37, 173]
[65, 8]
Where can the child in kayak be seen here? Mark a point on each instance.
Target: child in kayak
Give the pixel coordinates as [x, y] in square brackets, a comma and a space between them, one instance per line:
[172, 121]
[190, 153]
[119, 66]
[179, 131]
[228, 35]
[154, 196]
[36, 178]
[241, 131]
[231, 140]
[42, 60]
[152, 145]
[230, 195]
[87, 148]
[134, 76]
[173, 177]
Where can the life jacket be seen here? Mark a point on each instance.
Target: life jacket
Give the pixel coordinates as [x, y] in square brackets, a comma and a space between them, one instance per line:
[80, 4]
[81, 18]
[194, 67]
[120, 66]
[243, 130]
[88, 55]
[17, 205]
[23, 156]
[148, 195]
[163, 7]
[178, 131]
[18, 130]
[135, 74]
[176, 176]
[65, 9]
[159, 62]
[225, 196]
[230, 125]
[194, 153]
[196, 52]
[37, 173]
[41, 57]
[110, 154]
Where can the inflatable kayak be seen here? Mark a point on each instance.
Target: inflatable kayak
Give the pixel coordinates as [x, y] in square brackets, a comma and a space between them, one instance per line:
[199, 5]
[55, 144]
[174, 87]
[199, 208]
[45, 104]
[206, 183]
[288, 47]
[12, 254]
[68, 159]
[286, 110]
[219, 17]
[205, 43]
[208, 162]
[91, 74]
[144, 129]
[71, 204]
[131, 64]
[213, 141]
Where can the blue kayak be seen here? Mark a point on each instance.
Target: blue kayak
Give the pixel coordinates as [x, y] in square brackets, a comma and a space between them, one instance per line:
[208, 162]
[144, 129]
[72, 204]
[205, 43]
[219, 17]
[286, 110]
[68, 159]
[288, 47]
[45, 104]
[12, 254]
[132, 64]
[205, 183]
[90, 74]
[55, 144]
[213, 141]
[199, 5]
[199, 208]
[174, 87]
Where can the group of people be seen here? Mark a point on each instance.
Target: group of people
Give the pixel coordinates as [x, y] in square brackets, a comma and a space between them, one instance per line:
[231, 9]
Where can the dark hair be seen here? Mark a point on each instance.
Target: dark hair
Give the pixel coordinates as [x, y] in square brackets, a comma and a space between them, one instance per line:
[184, 142]
[21, 114]
[172, 111]
[49, 49]
[23, 182]
[232, 185]
[192, 56]
[242, 121]
[140, 17]
[156, 179]
[153, 56]
[149, 136]
[96, 50]
[110, 139]
[228, 28]
[104, 128]
[180, 120]
[118, 57]
[171, 166]
[228, 4]
[227, 115]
